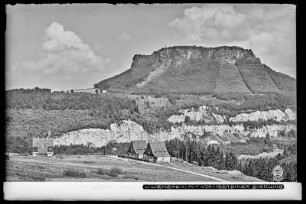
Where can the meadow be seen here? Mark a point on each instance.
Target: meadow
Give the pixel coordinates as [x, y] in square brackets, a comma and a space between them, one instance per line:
[97, 168]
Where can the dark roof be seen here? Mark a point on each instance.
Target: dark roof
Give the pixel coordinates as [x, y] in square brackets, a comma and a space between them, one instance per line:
[39, 142]
[139, 146]
[159, 149]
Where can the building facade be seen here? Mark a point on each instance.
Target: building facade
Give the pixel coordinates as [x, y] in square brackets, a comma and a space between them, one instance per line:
[137, 148]
[157, 152]
[43, 146]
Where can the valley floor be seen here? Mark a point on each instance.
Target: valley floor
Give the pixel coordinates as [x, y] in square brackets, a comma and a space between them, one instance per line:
[51, 169]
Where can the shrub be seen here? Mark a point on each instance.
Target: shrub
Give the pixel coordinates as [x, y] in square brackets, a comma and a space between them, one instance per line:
[237, 176]
[172, 99]
[74, 173]
[39, 178]
[102, 171]
[113, 172]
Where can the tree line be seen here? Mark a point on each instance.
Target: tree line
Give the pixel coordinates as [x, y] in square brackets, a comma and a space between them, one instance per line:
[252, 146]
[202, 155]
[262, 167]
[111, 148]
[257, 102]
[211, 155]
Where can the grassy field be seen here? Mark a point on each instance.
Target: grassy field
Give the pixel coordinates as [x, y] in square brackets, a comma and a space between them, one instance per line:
[52, 169]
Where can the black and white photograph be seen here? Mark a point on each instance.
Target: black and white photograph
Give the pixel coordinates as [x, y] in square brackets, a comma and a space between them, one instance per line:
[135, 94]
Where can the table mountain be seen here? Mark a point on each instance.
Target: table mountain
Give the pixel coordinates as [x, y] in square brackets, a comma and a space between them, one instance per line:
[200, 70]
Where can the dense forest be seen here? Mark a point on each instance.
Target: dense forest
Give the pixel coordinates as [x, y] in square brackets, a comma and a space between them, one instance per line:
[262, 167]
[45, 99]
[252, 146]
[260, 101]
[211, 155]
[202, 155]
[111, 148]
[31, 112]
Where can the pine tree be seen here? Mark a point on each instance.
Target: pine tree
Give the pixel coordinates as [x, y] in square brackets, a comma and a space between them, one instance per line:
[204, 156]
[249, 170]
[227, 161]
[198, 153]
[177, 148]
[239, 167]
[234, 161]
[186, 152]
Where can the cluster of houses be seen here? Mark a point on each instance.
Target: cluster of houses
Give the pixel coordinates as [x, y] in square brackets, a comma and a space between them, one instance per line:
[153, 151]
[89, 90]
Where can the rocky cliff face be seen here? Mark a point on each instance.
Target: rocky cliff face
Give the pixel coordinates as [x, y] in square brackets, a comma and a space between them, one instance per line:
[190, 69]
[225, 132]
[275, 115]
[206, 124]
[125, 131]
[182, 54]
[206, 114]
[203, 113]
[214, 129]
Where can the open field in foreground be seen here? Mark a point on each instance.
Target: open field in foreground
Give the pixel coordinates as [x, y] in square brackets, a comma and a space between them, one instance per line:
[52, 169]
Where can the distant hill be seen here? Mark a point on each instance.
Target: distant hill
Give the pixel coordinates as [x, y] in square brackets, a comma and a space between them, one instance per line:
[200, 70]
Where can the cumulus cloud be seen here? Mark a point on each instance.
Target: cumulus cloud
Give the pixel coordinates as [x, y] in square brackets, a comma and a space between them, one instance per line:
[267, 29]
[210, 21]
[66, 54]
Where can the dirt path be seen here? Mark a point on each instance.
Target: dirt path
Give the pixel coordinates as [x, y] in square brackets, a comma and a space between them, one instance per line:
[182, 170]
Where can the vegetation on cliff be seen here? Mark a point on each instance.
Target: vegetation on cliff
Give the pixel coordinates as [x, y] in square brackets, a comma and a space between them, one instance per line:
[33, 112]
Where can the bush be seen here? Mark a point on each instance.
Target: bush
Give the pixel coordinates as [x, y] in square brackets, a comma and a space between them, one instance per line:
[74, 173]
[113, 172]
[237, 176]
[102, 172]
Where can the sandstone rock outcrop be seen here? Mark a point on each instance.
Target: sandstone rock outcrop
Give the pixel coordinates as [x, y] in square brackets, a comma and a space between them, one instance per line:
[275, 115]
[123, 132]
[127, 130]
[203, 113]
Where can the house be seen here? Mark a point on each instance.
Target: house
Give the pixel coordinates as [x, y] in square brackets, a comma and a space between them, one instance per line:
[43, 146]
[157, 152]
[87, 90]
[137, 148]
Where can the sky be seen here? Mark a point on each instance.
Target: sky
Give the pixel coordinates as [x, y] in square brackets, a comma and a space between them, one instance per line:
[69, 46]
